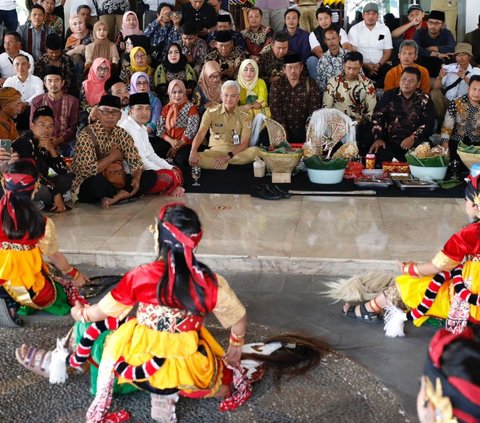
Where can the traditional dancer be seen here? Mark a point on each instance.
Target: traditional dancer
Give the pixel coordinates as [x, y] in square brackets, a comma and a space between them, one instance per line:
[165, 349]
[446, 287]
[25, 279]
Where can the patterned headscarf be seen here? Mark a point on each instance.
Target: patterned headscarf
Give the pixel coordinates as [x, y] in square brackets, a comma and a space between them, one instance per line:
[172, 114]
[8, 95]
[15, 183]
[94, 88]
[126, 31]
[134, 79]
[248, 85]
[180, 242]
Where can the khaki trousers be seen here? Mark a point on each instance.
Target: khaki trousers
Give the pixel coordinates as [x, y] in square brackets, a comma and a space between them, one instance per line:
[207, 157]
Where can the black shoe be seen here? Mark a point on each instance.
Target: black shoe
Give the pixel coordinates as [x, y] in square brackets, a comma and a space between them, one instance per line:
[278, 190]
[262, 191]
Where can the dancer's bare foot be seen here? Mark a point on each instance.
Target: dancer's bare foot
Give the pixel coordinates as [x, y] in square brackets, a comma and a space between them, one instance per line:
[119, 196]
[178, 192]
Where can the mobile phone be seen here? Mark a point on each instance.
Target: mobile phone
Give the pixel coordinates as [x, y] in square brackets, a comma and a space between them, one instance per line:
[6, 145]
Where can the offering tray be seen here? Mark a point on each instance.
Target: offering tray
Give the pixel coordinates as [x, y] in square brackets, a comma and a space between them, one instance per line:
[372, 181]
[415, 184]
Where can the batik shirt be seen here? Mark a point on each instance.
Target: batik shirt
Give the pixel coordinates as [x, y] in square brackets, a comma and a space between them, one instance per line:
[186, 126]
[269, 66]
[85, 158]
[292, 106]
[354, 98]
[66, 65]
[329, 66]
[198, 51]
[255, 41]
[234, 59]
[396, 117]
[462, 120]
[161, 37]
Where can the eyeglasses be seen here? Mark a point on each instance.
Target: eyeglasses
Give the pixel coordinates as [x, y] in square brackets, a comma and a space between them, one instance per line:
[215, 76]
[102, 69]
[109, 112]
[140, 56]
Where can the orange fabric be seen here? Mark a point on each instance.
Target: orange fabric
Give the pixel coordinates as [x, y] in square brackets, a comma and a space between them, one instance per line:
[392, 78]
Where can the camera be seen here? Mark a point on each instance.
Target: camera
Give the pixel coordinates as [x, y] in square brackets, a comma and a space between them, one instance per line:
[224, 66]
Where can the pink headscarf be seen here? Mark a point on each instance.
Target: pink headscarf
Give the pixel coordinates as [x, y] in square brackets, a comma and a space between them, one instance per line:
[126, 31]
[93, 87]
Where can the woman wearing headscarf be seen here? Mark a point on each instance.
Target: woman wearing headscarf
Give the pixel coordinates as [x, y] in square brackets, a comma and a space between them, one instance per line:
[177, 125]
[93, 88]
[101, 47]
[76, 44]
[207, 93]
[175, 66]
[10, 108]
[138, 63]
[129, 27]
[132, 41]
[140, 83]
[253, 91]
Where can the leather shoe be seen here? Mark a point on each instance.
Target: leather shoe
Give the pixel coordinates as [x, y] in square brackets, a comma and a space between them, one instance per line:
[276, 189]
[263, 192]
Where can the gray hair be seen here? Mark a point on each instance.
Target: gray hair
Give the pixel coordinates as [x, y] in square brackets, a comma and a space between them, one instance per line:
[231, 84]
[409, 43]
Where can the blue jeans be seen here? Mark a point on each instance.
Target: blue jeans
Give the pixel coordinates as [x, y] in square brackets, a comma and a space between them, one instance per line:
[9, 18]
[312, 63]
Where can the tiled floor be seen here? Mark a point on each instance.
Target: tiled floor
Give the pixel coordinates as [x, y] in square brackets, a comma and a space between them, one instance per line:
[309, 235]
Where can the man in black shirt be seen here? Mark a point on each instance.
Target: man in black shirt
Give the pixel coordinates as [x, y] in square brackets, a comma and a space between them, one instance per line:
[36, 145]
[200, 13]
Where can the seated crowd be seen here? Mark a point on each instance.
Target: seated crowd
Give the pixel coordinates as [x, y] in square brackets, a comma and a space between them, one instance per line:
[184, 91]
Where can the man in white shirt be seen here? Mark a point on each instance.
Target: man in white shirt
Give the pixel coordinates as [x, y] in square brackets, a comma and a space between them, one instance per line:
[30, 86]
[12, 43]
[169, 177]
[374, 41]
[8, 14]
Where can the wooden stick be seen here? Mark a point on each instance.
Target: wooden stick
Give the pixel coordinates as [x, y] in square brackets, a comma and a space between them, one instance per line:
[360, 192]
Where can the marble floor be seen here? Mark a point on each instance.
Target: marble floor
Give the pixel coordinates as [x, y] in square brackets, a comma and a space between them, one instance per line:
[302, 235]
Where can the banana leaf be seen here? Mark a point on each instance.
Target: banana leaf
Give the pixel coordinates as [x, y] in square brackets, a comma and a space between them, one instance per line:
[317, 163]
[473, 149]
[437, 161]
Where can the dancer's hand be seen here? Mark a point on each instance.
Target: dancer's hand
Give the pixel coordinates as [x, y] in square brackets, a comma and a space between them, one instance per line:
[233, 356]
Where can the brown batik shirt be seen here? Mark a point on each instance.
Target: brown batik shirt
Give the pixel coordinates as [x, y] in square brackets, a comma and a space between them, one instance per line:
[85, 159]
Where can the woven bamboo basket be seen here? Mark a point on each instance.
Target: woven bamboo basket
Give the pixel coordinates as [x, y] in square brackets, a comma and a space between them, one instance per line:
[280, 165]
[468, 159]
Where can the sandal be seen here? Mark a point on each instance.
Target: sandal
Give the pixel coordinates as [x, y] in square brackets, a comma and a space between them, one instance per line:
[366, 316]
[163, 408]
[98, 284]
[8, 316]
[36, 360]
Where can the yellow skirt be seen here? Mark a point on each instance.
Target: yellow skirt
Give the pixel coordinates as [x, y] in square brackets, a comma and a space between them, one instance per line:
[412, 291]
[185, 367]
